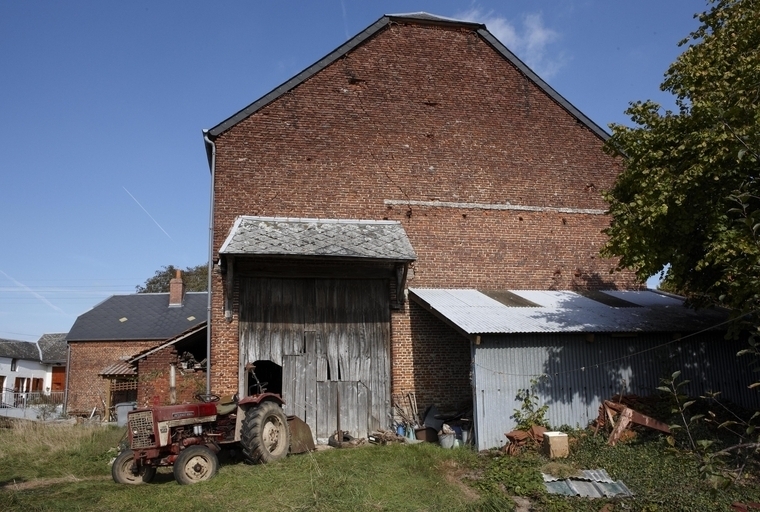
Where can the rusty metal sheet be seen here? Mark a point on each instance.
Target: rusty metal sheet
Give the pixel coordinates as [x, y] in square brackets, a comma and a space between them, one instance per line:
[594, 483]
[301, 440]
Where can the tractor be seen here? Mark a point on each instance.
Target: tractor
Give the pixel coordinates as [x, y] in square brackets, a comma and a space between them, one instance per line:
[189, 436]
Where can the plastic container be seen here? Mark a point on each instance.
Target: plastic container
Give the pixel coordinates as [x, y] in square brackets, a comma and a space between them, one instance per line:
[447, 441]
[122, 410]
[426, 434]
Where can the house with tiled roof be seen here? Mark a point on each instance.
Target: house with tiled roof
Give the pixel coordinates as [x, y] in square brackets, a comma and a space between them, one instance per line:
[32, 375]
[104, 339]
[21, 371]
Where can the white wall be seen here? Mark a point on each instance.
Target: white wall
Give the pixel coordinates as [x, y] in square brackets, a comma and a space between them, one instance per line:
[24, 369]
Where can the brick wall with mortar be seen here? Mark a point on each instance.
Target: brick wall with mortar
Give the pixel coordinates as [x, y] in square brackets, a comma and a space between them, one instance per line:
[426, 114]
[153, 379]
[87, 389]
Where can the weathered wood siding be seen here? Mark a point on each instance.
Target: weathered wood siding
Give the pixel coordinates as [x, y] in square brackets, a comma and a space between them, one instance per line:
[331, 337]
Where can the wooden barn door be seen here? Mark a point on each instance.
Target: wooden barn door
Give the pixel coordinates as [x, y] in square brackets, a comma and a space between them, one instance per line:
[332, 339]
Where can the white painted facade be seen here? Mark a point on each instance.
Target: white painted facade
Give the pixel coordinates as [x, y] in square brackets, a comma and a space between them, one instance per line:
[23, 382]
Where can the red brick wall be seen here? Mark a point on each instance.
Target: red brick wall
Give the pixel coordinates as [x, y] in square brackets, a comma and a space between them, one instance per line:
[425, 113]
[153, 381]
[431, 359]
[87, 389]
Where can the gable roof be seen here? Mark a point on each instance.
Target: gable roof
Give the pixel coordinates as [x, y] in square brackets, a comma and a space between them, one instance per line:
[53, 347]
[15, 349]
[279, 236]
[472, 312]
[420, 18]
[140, 316]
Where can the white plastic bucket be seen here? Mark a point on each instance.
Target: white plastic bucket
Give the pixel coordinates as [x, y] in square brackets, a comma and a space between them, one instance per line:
[447, 441]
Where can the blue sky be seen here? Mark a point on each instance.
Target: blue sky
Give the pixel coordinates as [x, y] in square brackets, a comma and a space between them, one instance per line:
[103, 175]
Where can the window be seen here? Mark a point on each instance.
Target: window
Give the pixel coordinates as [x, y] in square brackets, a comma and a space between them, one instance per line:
[14, 365]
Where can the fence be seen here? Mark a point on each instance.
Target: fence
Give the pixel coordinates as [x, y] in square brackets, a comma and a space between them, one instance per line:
[13, 399]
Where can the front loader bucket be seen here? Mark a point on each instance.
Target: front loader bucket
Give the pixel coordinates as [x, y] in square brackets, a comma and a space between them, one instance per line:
[301, 440]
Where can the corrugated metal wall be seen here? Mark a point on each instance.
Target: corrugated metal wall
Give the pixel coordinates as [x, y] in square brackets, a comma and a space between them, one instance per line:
[579, 374]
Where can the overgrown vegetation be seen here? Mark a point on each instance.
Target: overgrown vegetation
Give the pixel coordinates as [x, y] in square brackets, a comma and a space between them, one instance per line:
[530, 412]
[65, 468]
[720, 438]
[689, 195]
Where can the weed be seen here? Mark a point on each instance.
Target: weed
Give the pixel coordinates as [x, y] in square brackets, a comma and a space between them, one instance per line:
[530, 413]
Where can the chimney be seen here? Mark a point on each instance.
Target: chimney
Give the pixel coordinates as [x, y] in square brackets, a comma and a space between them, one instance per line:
[176, 290]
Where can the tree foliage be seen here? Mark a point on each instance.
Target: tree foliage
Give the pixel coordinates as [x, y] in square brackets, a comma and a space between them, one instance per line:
[195, 278]
[689, 195]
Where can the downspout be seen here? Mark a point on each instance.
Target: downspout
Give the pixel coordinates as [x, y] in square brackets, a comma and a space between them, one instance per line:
[211, 153]
[66, 389]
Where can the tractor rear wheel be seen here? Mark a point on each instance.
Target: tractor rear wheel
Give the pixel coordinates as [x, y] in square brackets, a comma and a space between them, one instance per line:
[195, 464]
[121, 470]
[265, 436]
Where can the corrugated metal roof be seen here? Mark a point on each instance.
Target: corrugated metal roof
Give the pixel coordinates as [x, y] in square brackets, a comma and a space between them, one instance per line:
[118, 369]
[367, 239]
[472, 312]
[588, 484]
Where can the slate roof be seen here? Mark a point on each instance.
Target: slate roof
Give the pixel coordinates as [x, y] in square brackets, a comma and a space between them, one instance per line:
[53, 347]
[472, 312]
[15, 349]
[369, 32]
[140, 316]
[276, 236]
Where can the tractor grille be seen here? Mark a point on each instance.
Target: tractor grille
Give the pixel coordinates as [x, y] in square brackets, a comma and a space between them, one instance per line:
[141, 427]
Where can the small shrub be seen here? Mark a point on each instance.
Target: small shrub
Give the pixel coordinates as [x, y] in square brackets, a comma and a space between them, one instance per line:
[530, 413]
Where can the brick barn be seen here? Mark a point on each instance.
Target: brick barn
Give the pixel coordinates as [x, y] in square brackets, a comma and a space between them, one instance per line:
[419, 154]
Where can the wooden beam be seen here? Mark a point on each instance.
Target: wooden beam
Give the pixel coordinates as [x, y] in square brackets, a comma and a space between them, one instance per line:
[229, 284]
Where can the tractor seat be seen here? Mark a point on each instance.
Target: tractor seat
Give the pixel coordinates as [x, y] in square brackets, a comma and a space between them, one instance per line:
[226, 405]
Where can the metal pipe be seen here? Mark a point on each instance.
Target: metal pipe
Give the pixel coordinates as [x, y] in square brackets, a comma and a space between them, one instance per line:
[212, 164]
[66, 388]
[173, 383]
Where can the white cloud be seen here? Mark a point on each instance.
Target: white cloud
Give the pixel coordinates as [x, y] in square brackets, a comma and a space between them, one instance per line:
[530, 41]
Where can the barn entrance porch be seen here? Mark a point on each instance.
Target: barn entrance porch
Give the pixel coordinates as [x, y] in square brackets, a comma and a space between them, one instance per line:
[314, 300]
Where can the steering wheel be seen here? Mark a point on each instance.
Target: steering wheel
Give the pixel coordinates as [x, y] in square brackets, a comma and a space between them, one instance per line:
[206, 398]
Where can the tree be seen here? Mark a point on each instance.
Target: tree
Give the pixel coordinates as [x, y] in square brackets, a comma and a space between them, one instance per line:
[689, 195]
[195, 278]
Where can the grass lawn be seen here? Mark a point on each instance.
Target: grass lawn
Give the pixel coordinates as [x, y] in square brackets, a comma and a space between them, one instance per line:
[66, 468]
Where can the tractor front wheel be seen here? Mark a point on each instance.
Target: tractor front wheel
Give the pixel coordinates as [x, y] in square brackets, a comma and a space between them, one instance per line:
[195, 464]
[122, 470]
[265, 436]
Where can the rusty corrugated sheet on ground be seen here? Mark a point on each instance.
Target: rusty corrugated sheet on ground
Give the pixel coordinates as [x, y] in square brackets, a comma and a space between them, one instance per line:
[594, 483]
